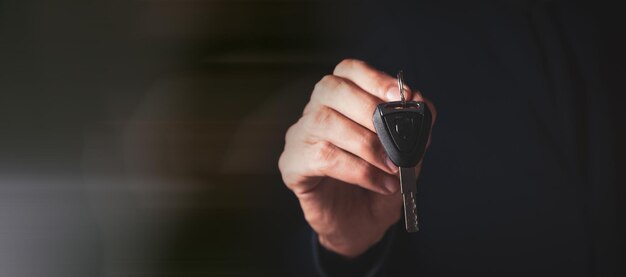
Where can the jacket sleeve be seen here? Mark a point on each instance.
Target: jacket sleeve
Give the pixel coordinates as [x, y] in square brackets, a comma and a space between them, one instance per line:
[370, 263]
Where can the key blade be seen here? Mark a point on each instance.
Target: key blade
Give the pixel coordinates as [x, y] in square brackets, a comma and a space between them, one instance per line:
[408, 187]
[408, 180]
[410, 212]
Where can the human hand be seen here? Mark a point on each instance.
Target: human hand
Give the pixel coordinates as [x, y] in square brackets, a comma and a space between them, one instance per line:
[335, 164]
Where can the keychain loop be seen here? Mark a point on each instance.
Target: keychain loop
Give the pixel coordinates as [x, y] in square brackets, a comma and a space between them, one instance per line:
[401, 87]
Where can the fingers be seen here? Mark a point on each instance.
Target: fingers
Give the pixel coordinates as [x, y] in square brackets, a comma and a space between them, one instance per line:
[417, 96]
[351, 169]
[355, 89]
[346, 98]
[331, 161]
[371, 80]
[329, 125]
[336, 138]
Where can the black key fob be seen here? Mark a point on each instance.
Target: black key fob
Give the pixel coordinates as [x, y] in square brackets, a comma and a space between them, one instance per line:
[403, 129]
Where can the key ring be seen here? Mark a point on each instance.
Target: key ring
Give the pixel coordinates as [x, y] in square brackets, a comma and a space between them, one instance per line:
[401, 87]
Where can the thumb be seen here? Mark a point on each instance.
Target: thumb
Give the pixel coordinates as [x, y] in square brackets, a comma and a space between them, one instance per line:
[393, 93]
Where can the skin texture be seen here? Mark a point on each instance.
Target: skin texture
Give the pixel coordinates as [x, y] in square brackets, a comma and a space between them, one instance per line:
[334, 163]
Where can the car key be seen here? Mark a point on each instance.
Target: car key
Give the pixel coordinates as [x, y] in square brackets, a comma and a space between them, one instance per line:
[403, 128]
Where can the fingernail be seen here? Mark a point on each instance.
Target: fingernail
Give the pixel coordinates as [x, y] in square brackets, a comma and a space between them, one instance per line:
[393, 94]
[391, 165]
[392, 185]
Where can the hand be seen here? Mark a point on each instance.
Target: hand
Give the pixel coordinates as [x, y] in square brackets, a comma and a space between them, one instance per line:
[335, 164]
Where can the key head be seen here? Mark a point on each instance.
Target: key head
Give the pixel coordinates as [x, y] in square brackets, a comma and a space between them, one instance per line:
[403, 129]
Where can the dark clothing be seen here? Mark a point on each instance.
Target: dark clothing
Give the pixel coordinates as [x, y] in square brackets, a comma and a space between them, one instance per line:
[524, 176]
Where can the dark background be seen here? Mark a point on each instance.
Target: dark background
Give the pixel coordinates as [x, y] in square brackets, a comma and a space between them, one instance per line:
[141, 138]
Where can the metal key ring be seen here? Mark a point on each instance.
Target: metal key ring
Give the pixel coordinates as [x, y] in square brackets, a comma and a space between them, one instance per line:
[401, 87]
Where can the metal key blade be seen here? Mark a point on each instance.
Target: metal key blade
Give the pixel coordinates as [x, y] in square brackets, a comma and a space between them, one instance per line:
[403, 128]
[408, 187]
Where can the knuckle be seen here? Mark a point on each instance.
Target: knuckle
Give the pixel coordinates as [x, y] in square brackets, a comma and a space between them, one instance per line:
[316, 123]
[291, 131]
[323, 116]
[308, 122]
[347, 64]
[290, 181]
[324, 151]
[325, 154]
[284, 166]
[327, 84]
[308, 108]
[281, 164]
[290, 172]
[333, 82]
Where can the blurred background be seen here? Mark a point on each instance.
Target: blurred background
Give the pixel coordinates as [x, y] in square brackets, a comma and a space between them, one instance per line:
[141, 137]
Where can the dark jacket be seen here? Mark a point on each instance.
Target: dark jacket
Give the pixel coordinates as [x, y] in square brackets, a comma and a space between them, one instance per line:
[524, 176]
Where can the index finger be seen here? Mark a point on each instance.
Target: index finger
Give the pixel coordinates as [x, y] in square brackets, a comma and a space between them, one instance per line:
[371, 80]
